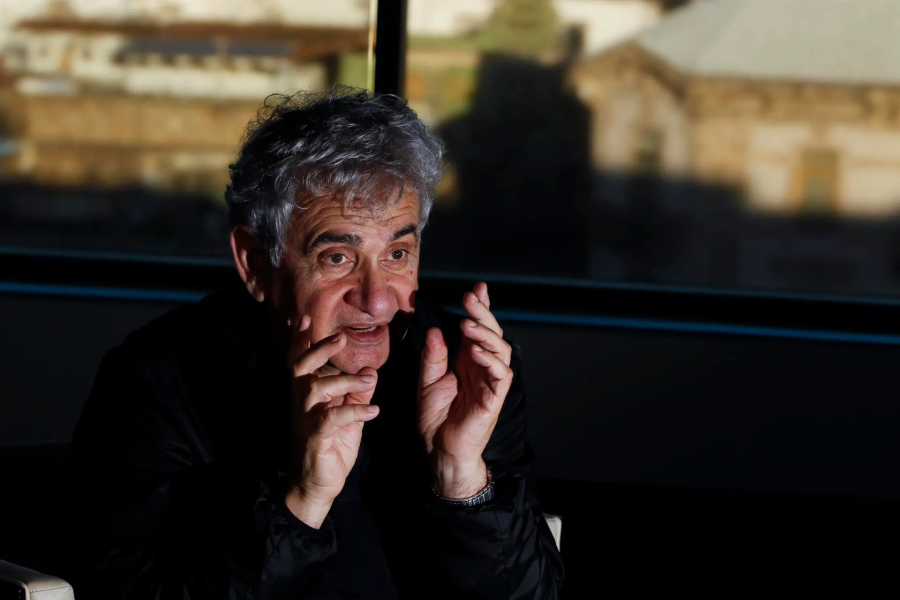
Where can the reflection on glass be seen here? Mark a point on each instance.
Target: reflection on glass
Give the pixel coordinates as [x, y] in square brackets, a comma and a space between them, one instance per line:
[729, 143]
[118, 118]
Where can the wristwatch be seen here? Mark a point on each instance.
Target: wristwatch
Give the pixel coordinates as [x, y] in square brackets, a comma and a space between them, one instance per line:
[482, 497]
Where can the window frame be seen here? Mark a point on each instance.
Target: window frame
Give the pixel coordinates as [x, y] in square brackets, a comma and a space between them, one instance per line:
[527, 300]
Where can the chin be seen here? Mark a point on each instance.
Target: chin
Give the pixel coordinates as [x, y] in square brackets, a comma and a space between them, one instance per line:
[351, 360]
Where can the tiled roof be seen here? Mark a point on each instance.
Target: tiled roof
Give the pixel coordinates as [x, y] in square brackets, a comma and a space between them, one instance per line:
[197, 30]
[827, 41]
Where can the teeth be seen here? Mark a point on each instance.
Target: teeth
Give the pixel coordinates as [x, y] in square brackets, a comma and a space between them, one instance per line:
[366, 330]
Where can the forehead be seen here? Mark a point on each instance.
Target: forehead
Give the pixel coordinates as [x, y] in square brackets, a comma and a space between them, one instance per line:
[327, 214]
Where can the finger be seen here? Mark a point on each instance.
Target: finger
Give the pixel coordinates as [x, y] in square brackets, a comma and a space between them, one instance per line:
[496, 368]
[300, 341]
[434, 358]
[305, 322]
[318, 354]
[336, 417]
[326, 389]
[481, 292]
[487, 339]
[481, 313]
[365, 396]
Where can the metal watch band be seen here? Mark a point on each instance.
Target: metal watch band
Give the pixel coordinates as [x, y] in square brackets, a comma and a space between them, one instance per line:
[482, 497]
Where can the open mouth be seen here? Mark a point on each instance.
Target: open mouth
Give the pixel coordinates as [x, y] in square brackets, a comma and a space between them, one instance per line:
[373, 334]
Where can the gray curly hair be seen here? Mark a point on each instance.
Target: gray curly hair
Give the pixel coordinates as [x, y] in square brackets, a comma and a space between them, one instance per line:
[344, 144]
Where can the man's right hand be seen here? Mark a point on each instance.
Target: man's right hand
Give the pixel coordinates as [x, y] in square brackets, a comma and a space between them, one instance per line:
[329, 412]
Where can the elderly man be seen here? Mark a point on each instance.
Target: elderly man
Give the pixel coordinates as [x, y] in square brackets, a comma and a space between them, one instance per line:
[321, 432]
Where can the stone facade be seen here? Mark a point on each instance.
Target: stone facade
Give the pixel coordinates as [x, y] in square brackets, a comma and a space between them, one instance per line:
[775, 184]
[120, 141]
[749, 134]
[152, 105]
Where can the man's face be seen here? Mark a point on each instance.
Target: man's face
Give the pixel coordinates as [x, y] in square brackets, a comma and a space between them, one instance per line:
[352, 270]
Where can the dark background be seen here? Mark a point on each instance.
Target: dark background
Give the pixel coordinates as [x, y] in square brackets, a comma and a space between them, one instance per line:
[674, 459]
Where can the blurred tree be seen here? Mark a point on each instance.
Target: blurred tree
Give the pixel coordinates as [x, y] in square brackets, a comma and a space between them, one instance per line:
[522, 27]
[519, 157]
[521, 161]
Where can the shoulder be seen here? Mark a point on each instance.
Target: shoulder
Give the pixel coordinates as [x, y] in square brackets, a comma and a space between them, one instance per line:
[187, 329]
[144, 388]
[163, 360]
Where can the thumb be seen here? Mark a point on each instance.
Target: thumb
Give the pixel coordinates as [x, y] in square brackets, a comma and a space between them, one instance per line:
[434, 358]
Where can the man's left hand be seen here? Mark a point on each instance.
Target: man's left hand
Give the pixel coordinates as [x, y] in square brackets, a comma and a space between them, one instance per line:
[458, 409]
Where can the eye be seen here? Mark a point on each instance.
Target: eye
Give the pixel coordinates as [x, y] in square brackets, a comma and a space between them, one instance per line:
[399, 254]
[336, 259]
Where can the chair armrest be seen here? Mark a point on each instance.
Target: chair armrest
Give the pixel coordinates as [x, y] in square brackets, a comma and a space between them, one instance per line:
[555, 524]
[34, 585]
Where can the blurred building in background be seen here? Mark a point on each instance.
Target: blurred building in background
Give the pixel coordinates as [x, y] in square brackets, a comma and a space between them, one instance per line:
[146, 112]
[762, 137]
[163, 105]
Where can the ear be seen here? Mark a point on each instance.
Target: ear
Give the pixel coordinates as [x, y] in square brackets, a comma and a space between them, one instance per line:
[252, 262]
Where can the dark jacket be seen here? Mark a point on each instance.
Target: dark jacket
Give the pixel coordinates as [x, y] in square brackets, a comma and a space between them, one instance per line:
[178, 474]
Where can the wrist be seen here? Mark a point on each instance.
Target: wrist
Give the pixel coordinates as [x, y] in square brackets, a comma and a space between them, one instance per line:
[456, 480]
[309, 510]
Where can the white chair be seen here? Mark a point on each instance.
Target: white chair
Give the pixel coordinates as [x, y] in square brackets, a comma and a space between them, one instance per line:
[34, 585]
[555, 524]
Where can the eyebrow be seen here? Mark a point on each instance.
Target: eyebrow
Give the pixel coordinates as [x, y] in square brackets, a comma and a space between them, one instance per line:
[351, 239]
[329, 237]
[409, 229]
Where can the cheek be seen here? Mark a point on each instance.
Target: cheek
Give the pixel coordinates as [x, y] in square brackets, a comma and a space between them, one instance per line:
[322, 307]
[405, 289]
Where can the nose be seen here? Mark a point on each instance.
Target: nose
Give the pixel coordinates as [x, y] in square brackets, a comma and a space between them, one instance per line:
[373, 294]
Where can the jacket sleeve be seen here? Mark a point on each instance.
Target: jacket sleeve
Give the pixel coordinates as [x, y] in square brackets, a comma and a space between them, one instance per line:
[503, 549]
[157, 519]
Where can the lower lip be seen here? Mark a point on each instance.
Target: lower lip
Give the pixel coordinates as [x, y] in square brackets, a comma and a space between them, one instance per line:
[375, 336]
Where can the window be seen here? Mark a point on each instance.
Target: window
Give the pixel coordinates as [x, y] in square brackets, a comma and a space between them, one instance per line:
[615, 142]
[648, 156]
[134, 150]
[819, 182]
[652, 160]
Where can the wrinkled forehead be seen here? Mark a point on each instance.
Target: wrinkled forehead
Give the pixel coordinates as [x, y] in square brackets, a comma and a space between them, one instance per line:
[339, 213]
[360, 208]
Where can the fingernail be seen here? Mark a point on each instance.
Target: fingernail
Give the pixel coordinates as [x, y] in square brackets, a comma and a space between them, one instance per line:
[471, 323]
[372, 409]
[479, 349]
[335, 338]
[476, 297]
[367, 378]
